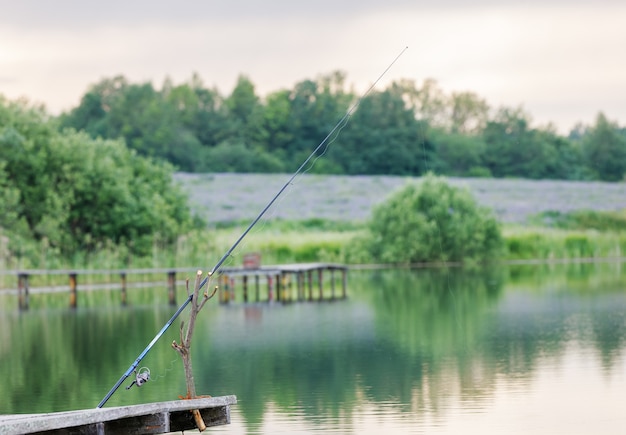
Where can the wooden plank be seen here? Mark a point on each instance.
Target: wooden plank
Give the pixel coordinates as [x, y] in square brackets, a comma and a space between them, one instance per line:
[183, 420]
[160, 417]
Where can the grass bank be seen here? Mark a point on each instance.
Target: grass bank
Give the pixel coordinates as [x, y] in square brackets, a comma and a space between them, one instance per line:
[286, 242]
[319, 217]
[294, 242]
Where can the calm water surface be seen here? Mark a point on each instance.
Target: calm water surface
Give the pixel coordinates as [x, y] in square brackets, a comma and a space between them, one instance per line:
[528, 349]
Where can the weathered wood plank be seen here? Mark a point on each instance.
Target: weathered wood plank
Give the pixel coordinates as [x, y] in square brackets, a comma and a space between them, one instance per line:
[149, 418]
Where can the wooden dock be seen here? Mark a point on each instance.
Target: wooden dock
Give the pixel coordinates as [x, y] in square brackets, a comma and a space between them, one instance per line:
[284, 283]
[149, 418]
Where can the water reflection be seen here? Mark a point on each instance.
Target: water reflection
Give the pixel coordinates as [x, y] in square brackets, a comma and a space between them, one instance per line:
[435, 351]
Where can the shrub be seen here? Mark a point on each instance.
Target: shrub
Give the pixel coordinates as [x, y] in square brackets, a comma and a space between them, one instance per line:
[432, 221]
[76, 193]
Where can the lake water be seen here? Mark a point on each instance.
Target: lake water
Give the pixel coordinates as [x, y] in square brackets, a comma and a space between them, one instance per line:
[518, 350]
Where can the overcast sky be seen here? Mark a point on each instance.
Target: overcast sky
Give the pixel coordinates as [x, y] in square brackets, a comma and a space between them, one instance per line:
[563, 61]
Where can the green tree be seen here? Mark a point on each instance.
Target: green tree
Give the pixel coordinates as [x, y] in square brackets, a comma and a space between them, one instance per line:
[169, 124]
[514, 149]
[276, 123]
[315, 106]
[80, 193]
[429, 102]
[384, 137]
[245, 113]
[432, 221]
[458, 154]
[605, 150]
[469, 113]
[200, 111]
[92, 114]
[563, 158]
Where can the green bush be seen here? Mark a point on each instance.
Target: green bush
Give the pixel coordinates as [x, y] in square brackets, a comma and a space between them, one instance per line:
[68, 192]
[432, 221]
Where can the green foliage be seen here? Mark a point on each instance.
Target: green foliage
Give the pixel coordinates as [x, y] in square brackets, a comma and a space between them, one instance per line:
[404, 129]
[450, 304]
[432, 221]
[584, 220]
[236, 157]
[383, 137]
[514, 149]
[72, 192]
[605, 150]
[579, 245]
[549, 244]
[459, 155]
[532, 245]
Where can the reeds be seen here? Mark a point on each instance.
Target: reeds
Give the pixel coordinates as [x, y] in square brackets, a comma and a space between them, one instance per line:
[288, 242]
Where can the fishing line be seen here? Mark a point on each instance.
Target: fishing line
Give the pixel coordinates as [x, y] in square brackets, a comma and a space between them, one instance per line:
[304, 164]
[322, 144]
[165, 372]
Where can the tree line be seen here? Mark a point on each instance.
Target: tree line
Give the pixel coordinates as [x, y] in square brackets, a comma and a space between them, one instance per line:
[404, 129]
[99, 177]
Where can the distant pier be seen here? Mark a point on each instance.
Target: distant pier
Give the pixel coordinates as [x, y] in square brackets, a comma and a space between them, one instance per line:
[284, 283]
[251, 282]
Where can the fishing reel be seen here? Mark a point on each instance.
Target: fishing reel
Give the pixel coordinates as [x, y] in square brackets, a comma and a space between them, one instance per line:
[141, 377]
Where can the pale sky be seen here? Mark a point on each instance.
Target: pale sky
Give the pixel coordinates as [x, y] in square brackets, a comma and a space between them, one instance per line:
[562, 61]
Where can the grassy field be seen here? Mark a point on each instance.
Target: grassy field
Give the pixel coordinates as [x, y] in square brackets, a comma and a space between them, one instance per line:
[320, 218]
[236, 197]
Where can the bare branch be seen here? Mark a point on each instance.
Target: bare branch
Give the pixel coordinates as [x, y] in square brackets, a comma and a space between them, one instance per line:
[196, 291]
[186, 333]
[207, 297]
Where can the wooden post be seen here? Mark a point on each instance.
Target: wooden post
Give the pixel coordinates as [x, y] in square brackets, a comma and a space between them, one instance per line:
[278, 288]
[245, 288]
[257, 288]
[22, 289]
[286, 287]
[344, 282]
[123, 281]
[224, 290]
[171, 287]
[270, 289]
[310, 283]
[320, 279]
[231, 296]
[73, 296]
[300, 285]
[332, 283]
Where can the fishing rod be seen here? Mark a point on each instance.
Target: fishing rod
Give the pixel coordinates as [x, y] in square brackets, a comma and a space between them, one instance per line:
[325, 142]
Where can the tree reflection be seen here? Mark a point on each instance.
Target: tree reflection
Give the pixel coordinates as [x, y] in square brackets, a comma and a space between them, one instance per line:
[416, 339]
